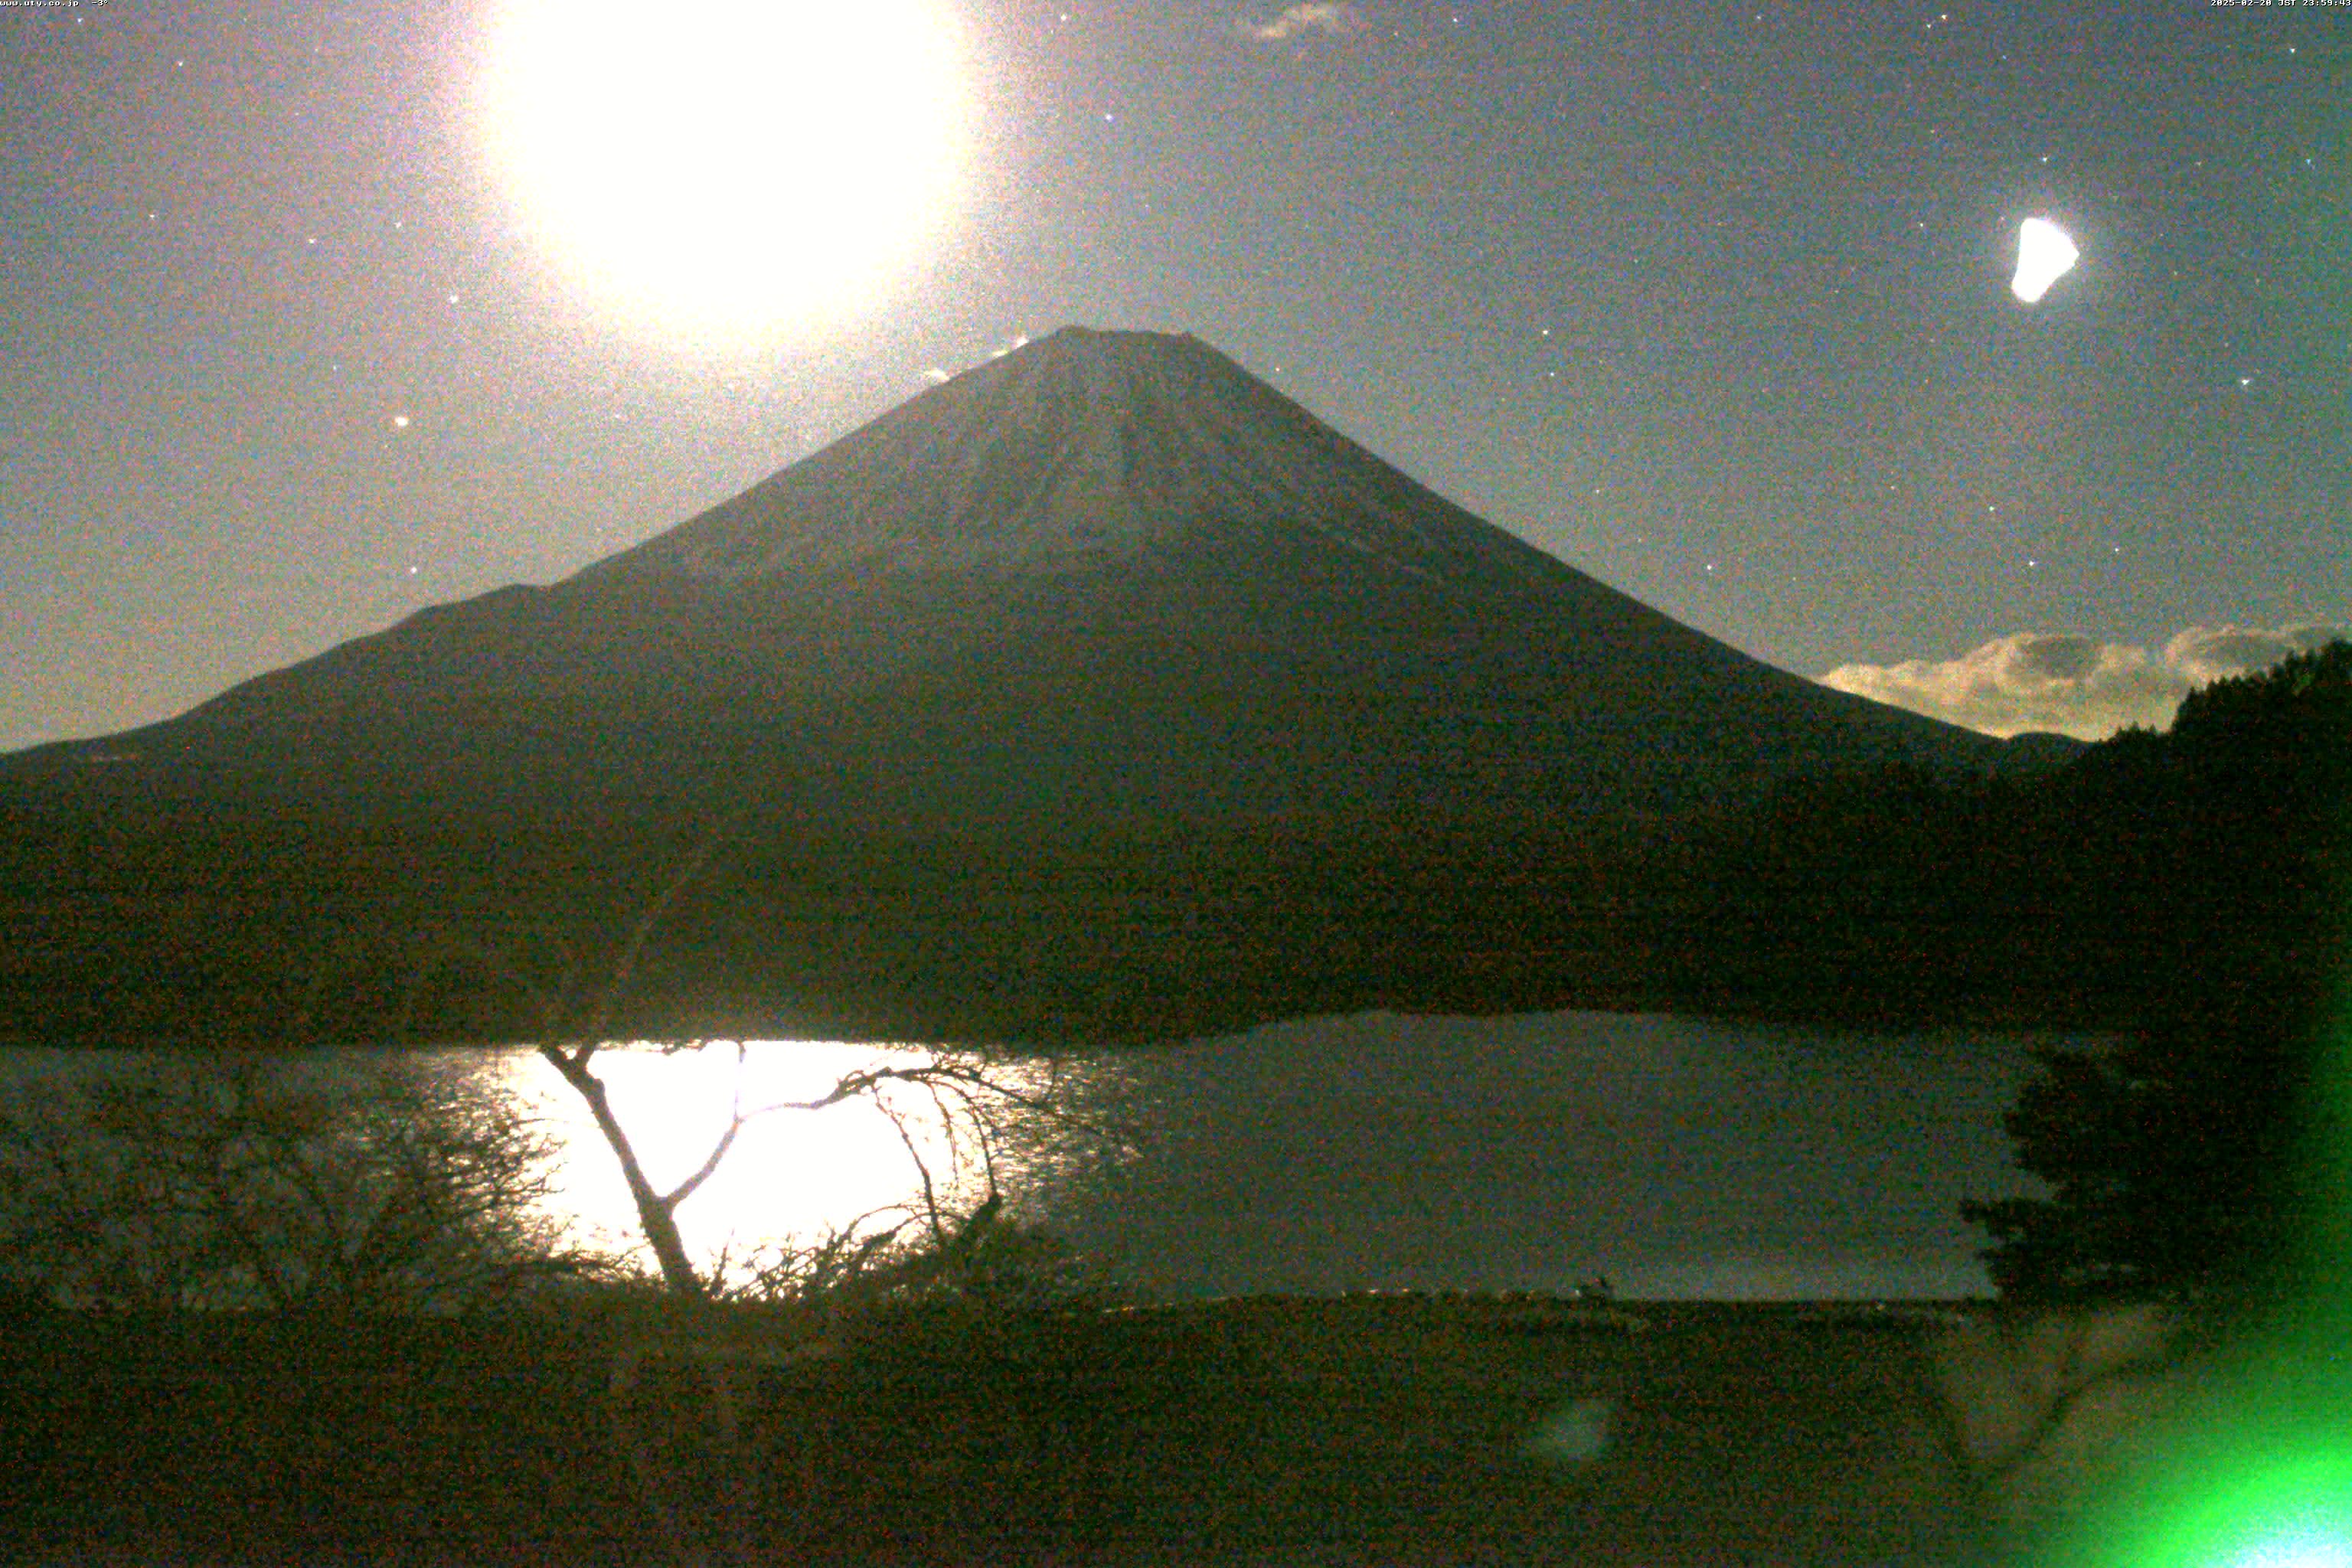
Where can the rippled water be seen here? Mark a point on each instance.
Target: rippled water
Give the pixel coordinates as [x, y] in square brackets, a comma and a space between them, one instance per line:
[1678, 1156]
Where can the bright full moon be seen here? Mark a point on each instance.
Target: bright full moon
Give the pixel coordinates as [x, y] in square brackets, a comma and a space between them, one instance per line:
[732, 170]
[2046, 253]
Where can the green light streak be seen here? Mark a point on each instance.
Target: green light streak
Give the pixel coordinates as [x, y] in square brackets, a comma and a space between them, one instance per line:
[2279, 1509]
[2258, 1474]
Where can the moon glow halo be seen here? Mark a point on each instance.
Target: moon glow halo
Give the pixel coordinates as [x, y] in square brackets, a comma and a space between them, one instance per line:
[732, 172]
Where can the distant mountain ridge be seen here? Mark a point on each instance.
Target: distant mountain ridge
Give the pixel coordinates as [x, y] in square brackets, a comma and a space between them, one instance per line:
[1108, 584]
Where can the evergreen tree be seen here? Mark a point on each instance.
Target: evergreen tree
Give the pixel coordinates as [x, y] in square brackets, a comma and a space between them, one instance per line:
[2197, 1158]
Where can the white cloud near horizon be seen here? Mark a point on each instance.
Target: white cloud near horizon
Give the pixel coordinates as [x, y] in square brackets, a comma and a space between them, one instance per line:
[1334, 20]
[2076, 685]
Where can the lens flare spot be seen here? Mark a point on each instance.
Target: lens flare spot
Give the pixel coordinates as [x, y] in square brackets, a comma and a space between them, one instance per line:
[2296, 1551]
[2274, 1504]
[1575, 1435]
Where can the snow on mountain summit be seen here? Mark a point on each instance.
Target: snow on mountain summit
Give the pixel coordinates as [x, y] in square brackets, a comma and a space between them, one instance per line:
[1086, 449]
[1109, 576]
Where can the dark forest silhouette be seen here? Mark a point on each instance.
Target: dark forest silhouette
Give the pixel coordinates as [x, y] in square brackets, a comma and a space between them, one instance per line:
[2203, 1157]
[2071, 896]
[2183, 888]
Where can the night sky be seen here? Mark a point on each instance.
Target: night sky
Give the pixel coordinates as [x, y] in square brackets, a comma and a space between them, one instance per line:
[317, 315]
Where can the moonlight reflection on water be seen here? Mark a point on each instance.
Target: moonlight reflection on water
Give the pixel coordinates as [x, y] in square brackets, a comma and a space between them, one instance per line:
[1681, 1157]
[794, 1176]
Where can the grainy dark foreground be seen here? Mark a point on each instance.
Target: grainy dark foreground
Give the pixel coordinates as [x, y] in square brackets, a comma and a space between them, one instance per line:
[1335, 1430]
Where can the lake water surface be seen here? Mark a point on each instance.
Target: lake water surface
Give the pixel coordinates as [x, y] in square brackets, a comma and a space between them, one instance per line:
[1677, 1156]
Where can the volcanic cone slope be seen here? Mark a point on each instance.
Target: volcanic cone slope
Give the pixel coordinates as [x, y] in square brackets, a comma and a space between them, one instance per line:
[1109, 583]
[1109, 573]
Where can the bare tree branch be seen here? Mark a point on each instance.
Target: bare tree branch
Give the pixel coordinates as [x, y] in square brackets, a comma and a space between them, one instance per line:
[735, 1120]
[625, 967]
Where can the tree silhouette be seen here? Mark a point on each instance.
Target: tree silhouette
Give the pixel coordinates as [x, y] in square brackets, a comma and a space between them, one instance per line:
[2193, 1160]
[2175, 1161]
[257, 1183]
[968, 1096]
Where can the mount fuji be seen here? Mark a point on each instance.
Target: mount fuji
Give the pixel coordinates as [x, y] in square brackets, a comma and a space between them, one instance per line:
[1105, 613]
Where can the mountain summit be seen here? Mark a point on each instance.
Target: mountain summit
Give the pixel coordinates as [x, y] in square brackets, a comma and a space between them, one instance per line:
[1109, 573]
[1136, 451]
[1100, 596]
[1136, 560]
